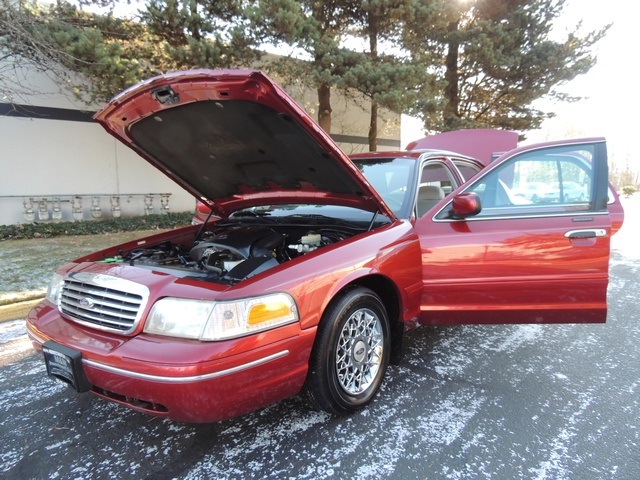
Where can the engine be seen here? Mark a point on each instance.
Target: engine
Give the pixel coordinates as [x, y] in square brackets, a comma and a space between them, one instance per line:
[232, 254]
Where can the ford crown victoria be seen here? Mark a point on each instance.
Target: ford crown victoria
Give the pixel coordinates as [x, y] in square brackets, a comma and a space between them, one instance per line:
[317, 264]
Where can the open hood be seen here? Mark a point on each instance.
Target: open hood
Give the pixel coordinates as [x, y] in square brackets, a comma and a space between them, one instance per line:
[235, 139]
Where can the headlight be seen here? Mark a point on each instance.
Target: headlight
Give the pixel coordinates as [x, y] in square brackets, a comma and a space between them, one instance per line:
[204, 320]
[54, 288]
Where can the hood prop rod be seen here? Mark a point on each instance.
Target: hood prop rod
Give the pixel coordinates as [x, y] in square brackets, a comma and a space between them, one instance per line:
[375, 215]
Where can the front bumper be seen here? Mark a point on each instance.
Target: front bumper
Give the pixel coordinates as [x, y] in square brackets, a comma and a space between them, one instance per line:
[183, 380]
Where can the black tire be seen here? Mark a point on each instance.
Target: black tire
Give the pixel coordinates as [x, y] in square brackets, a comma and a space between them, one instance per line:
[350, 354]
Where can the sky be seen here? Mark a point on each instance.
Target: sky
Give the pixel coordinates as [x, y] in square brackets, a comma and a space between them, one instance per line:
[609, 87]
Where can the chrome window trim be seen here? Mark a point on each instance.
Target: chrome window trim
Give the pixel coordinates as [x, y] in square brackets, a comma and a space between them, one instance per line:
[191, 379]
[514, 217]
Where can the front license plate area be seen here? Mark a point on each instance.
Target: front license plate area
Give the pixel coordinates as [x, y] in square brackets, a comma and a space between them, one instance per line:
[65, 364]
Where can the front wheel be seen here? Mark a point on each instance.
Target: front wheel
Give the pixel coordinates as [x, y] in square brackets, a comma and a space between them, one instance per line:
[351, 352]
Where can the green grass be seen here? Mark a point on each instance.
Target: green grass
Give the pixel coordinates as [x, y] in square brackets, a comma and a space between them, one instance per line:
[26, 266]
[30, 253]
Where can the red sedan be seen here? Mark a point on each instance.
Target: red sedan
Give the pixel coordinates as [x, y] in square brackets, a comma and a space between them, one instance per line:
[317, 264]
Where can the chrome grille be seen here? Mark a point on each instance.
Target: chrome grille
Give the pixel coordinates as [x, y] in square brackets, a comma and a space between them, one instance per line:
[102, 301]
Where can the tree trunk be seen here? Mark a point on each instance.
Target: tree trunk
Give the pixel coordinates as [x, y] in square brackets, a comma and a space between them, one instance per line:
[324, 106]
[373, 51]
[373, 127]
[451, 91]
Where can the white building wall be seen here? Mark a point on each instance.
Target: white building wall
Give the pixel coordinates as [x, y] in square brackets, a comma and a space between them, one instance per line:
[58, 158]
[44, 157]
[51, 152]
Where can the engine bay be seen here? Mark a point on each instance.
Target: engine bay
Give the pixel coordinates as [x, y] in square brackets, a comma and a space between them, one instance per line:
[230, 254]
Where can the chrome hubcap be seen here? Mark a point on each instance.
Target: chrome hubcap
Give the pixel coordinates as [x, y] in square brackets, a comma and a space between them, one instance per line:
[359, 352]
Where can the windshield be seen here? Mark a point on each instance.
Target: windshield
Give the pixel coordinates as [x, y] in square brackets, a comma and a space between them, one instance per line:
[391, 178]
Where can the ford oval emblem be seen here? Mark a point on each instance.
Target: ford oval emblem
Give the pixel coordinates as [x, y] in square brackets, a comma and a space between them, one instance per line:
[86, 303]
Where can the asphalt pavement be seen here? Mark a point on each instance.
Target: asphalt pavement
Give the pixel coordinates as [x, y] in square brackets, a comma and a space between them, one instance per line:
[467, 402]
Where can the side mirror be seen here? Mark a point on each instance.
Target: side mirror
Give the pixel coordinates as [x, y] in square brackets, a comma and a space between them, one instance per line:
[465, 205]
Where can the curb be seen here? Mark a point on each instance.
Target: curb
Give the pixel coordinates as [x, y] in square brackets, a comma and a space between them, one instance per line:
[16, 311]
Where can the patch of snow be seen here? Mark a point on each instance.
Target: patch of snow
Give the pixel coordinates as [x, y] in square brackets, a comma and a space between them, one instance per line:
[521, 335]
[450, 418]
[11, 330]
[555, 466]
[9, 458]
[11, 350]
[62, 443]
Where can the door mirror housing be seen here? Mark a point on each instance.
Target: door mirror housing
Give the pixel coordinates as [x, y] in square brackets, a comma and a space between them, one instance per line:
[465, 205]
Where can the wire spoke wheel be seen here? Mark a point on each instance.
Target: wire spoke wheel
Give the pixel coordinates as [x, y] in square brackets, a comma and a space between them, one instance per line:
[351, 352]
[359, 351]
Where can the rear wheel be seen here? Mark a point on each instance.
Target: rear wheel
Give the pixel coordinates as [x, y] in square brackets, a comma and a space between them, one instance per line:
[351, 352]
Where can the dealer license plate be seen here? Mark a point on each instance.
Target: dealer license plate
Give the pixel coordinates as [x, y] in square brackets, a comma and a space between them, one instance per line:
[65, 364]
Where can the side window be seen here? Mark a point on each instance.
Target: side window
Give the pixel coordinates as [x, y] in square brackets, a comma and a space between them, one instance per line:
[545, 181]
[436, 182]
[467, 170]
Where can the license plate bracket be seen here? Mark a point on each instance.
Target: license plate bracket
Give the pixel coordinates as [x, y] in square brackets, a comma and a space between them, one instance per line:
[65, 364]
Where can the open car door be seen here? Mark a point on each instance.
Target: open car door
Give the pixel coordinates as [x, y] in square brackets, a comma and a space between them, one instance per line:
[526, 241]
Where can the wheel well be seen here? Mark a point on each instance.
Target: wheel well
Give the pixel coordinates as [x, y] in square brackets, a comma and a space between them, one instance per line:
[388, 293]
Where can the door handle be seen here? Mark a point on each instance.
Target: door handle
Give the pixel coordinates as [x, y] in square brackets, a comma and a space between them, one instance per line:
[590, 233]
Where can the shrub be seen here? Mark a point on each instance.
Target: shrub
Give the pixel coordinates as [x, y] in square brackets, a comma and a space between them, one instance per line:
[112, 225]
[629, 190]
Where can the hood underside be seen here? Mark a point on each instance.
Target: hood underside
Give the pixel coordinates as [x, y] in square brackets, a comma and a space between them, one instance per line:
[235, 140]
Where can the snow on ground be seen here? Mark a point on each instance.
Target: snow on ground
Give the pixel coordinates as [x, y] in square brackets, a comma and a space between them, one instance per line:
[524, 401]
[467, 402]
[13, 341]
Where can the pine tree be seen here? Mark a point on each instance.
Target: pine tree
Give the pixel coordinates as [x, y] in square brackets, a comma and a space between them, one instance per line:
[384, 73]
[473, 64]
[203, 33]
[109, 53]
[316, 28]
[496, 58]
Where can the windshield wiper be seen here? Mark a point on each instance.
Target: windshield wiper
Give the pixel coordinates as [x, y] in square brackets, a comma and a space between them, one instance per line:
[243, 215]
[249, 213]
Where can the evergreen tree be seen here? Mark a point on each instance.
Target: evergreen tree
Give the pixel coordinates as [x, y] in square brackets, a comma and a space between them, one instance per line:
[316, 28]
[386, 75]
[109, 53]
[203, 33]
[473, 64]
[496, 58]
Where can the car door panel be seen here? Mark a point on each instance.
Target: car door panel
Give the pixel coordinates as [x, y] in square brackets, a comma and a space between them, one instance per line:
[522, 262]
